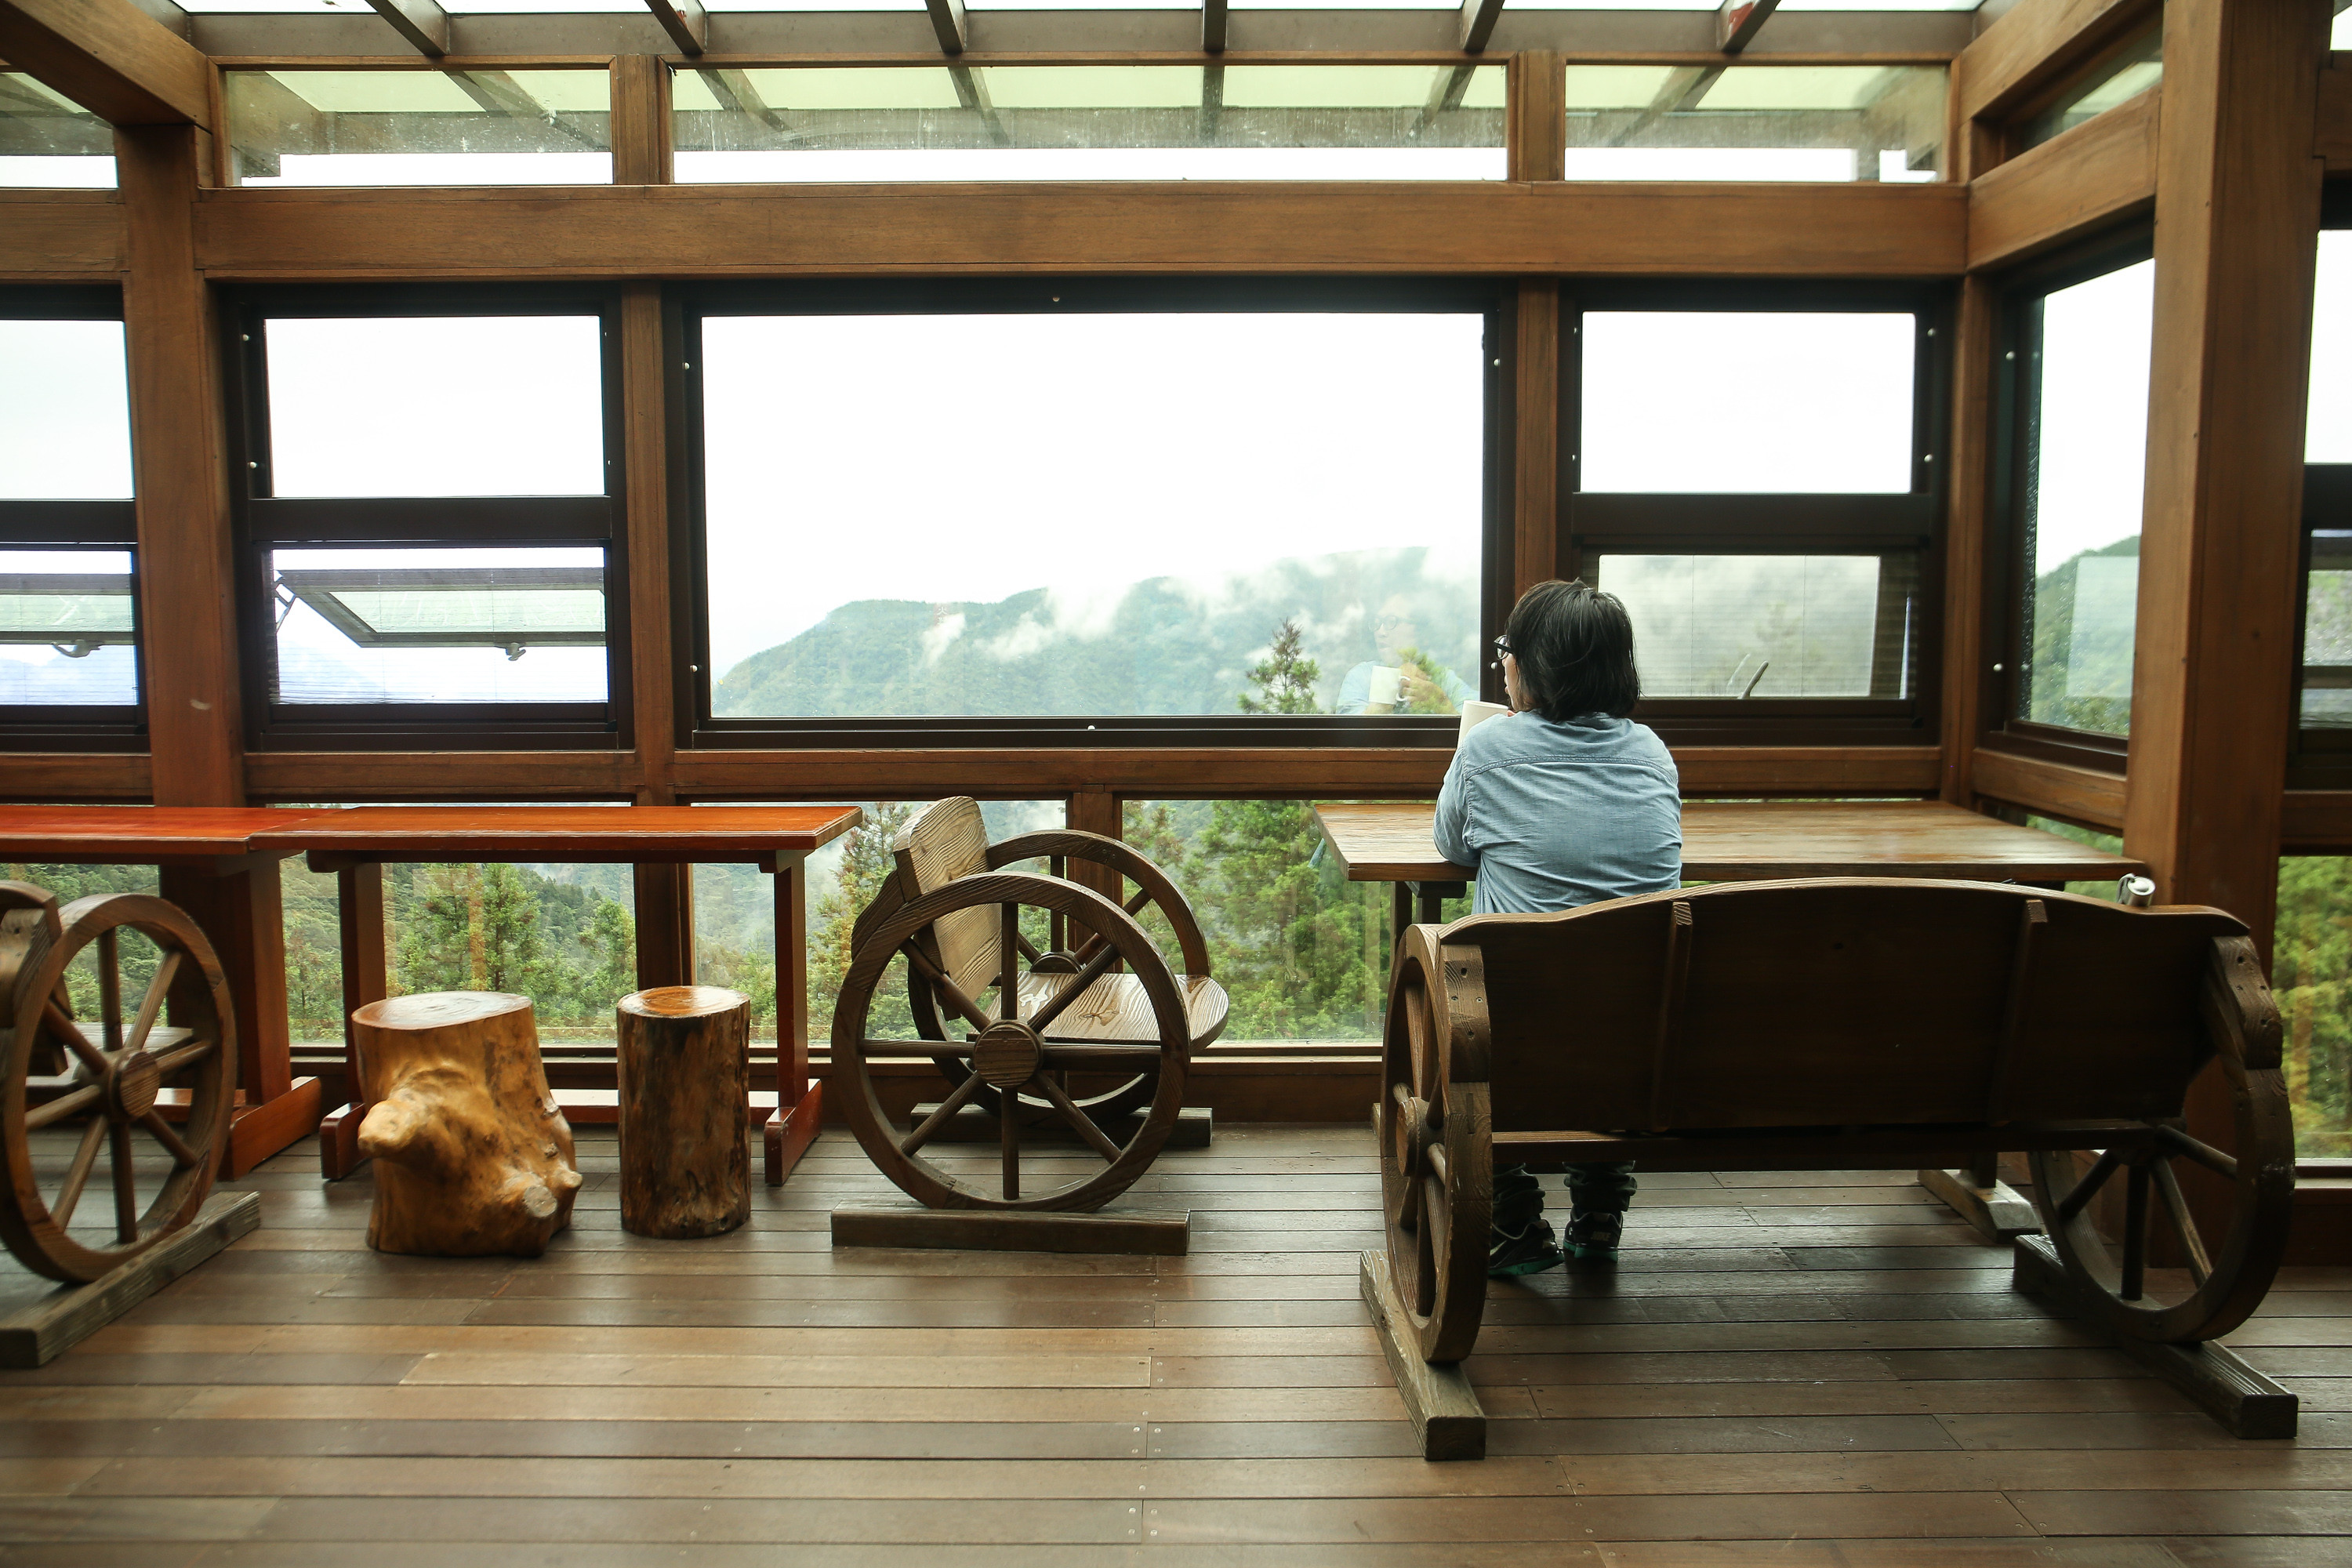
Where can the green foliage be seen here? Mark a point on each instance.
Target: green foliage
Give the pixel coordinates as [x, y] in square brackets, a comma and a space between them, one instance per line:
[866, 864]
[1285, 678]
[2311, 973]
[2055, 649]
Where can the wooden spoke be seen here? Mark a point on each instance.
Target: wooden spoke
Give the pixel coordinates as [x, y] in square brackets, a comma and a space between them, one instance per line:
[948, 989]
[126, 1185]
[956, 1100]
[110, 990]
[184, 1055]
[1437, 1167]
[1008, 1139]
[1008, 970]
[1088, 973]
[1135, 905]
[77, 1174]
[53, 1019]
[162, 1132]
[1028, 949]
[151, 1007]
[72, 1103]
[2184, 1223]
[2204, 1153]
[2084, 1191]
[1080, 1123]
[2134, 1267]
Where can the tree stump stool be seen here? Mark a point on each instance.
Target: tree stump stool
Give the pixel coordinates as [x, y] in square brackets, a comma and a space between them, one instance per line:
[686, 1080]
[472, 1155]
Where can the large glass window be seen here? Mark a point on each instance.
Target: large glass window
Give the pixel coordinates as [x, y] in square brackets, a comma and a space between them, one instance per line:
[69, 620]
[1124, 515]
[1760, 487]
[2129, 70]
[49, 141]
[1809, 123]
[2311, 973]
[421, 127]
[1089, 123]
[430, 508]
[2082, 358]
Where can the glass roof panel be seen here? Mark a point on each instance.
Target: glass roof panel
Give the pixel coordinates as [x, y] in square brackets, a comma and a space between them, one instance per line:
[50, 142]
[1331, 87]
[1798, 87]
[1092, 87]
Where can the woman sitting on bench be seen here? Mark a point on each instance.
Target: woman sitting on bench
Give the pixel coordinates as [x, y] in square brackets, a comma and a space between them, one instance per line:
[1564, 803]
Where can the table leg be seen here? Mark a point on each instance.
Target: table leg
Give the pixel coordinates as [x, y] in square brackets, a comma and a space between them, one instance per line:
[799, 1104]
[359, 911]
[1400, 917]
[241, 914]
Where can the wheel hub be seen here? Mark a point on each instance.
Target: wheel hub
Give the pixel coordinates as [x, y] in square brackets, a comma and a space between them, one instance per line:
[1007, 1054]
[131, 1085]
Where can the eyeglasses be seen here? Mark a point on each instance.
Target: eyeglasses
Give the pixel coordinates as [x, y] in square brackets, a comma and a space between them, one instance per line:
[1502, 648]
[1391, 623]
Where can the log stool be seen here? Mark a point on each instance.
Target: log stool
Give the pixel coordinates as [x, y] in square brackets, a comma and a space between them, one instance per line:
[684, 1079]
[472, 1155]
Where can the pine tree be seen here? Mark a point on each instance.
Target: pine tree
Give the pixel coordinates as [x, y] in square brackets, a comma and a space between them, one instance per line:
[609, 943]
[1285, 678]
[866, 864]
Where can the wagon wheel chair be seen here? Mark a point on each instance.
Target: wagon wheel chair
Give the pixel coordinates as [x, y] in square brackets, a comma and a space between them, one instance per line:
[1070, 947]
[1434, 1134]
[112, 1071]
[1068, 1008]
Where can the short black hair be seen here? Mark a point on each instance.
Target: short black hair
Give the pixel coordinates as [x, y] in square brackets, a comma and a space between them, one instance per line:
[1574, 644]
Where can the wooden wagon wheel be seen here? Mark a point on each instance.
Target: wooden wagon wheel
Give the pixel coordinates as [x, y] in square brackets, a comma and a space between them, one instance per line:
[118, 1067]
[1068, 951]
[2221, 1285]
[1436, 1142]
[1007, 1050]
[28, 914]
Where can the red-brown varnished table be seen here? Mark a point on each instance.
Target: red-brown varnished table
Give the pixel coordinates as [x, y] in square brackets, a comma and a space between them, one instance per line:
[210, 867]
[355, 844]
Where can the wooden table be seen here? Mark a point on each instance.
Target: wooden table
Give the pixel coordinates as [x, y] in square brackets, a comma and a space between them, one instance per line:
[355, 844]
[1740, 841]
[210, 867]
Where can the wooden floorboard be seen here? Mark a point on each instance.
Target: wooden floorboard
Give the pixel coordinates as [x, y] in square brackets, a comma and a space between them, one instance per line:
[1788, 1367]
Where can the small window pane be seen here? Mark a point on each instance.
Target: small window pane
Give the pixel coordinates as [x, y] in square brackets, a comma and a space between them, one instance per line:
[1090, 122]
[420, 127]
[1729, 401]
[2086, 467]
[65, 629]
[2139, 66]
[65, 412]
[2327, 436]
[439, 626]
[1059, 546]
[1755, 122]
[48, 141]
[2310, 973]
[1744, 627]
[516, 405]
[2328, 632]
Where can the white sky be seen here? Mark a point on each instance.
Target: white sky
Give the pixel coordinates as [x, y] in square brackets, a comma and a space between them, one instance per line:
[65, 414]
[2094, 444]
[970, 458]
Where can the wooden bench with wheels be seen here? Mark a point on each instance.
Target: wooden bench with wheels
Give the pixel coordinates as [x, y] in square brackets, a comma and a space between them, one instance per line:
[1071, 1021]
[1849, 1024]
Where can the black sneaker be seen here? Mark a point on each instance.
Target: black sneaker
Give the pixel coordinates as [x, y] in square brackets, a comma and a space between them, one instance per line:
[1528, 1251]
[1594, 1236]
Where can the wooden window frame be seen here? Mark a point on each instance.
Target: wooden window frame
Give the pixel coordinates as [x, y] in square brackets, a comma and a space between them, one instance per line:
[2009, 577]
[1769, 524]
[265, 523]
[68, 525]
[685, 308]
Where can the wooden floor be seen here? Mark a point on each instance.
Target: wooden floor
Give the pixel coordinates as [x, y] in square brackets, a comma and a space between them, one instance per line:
[1787, 1369]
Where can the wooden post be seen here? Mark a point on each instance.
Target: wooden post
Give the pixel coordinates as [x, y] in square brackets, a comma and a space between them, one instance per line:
[1965, 577]
[684, 1073]
[1536, 479]
[1536, 122]
[641, 139]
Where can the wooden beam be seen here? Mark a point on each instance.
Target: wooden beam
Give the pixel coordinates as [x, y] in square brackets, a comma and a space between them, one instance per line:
[1212, 26]
[646, 462]
[1478, 19]
[442, 775]
[2097, 173]
[1738, 22]
[60, 236]
[111, 58]
[2237, 220]
[187, 574]
[1535, 479]
[1490, 228]
[75, 778]
[948, 21]
[2031, 43]
[685, 22]
[422, 23]
[2315, 822]
[640, 132]
[1966, 527]
[2076, 795]
[1535, 134]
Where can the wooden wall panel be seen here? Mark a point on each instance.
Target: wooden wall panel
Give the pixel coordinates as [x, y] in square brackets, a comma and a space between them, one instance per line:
[2033, 42]
[2078, 794]
[74, 778]
[1498, 228]
[2237, 217]
[2099, 173]
[61, 237]
[442, 775]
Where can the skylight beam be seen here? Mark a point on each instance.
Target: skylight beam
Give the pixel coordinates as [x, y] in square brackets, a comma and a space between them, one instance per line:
[420, 23]
[1478, 19]
[954, 32]
[1212, 26]
[1737, 24]
[685, 22]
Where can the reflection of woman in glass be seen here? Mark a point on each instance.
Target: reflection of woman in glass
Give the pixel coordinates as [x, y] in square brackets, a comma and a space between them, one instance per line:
[1423, 685]
[1564, 803]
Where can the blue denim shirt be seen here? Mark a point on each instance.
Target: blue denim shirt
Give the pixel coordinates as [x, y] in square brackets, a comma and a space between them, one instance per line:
[1552, 816]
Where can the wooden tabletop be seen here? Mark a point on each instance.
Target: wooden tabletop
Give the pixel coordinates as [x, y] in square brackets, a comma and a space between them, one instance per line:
[642, 834]
[134, 835]
[1390, 841]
